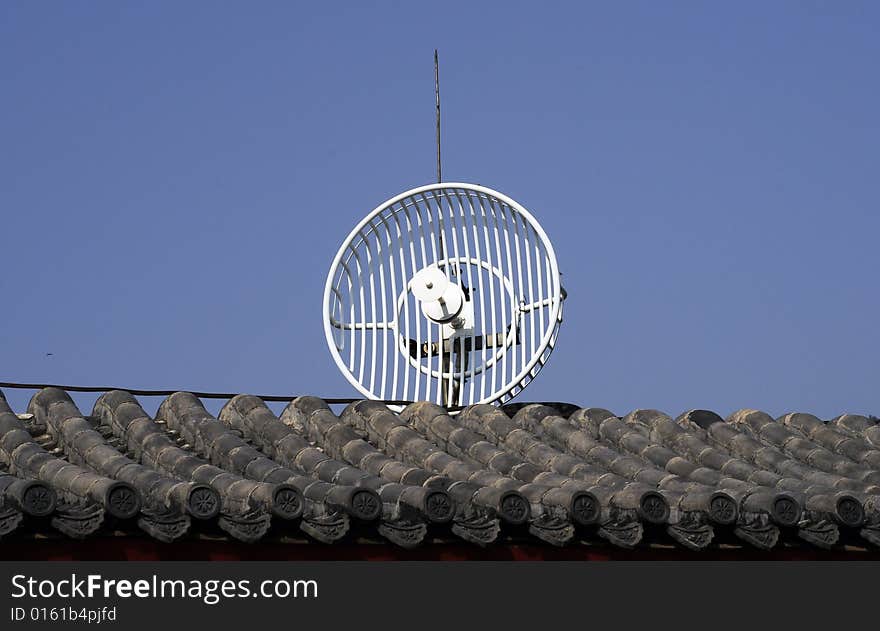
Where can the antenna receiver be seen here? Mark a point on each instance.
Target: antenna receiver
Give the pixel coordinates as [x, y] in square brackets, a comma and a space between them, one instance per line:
[449, 292]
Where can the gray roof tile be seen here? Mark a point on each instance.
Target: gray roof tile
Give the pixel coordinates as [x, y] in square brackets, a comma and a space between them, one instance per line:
[553, 472]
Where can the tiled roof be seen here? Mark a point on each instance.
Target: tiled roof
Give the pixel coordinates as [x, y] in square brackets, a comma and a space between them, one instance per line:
[485, 476]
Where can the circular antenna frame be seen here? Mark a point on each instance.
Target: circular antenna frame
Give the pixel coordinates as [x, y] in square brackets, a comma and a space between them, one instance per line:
[398, 332]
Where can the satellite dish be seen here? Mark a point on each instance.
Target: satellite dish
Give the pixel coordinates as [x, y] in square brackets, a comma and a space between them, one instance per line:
[449, 293]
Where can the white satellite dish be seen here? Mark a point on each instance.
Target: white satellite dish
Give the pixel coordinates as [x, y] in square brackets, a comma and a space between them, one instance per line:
[448, 293]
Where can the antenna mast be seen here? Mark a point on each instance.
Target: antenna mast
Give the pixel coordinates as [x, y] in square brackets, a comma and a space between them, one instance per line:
[449, 327]
[437, 101]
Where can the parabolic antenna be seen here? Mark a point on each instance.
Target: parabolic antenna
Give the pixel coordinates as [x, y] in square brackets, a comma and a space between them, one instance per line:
[448, 293]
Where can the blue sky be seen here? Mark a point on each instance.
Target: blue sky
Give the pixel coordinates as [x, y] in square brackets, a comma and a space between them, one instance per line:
[175, 179]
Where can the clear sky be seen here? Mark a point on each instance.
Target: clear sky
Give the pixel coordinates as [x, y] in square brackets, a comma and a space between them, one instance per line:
[175, 178]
